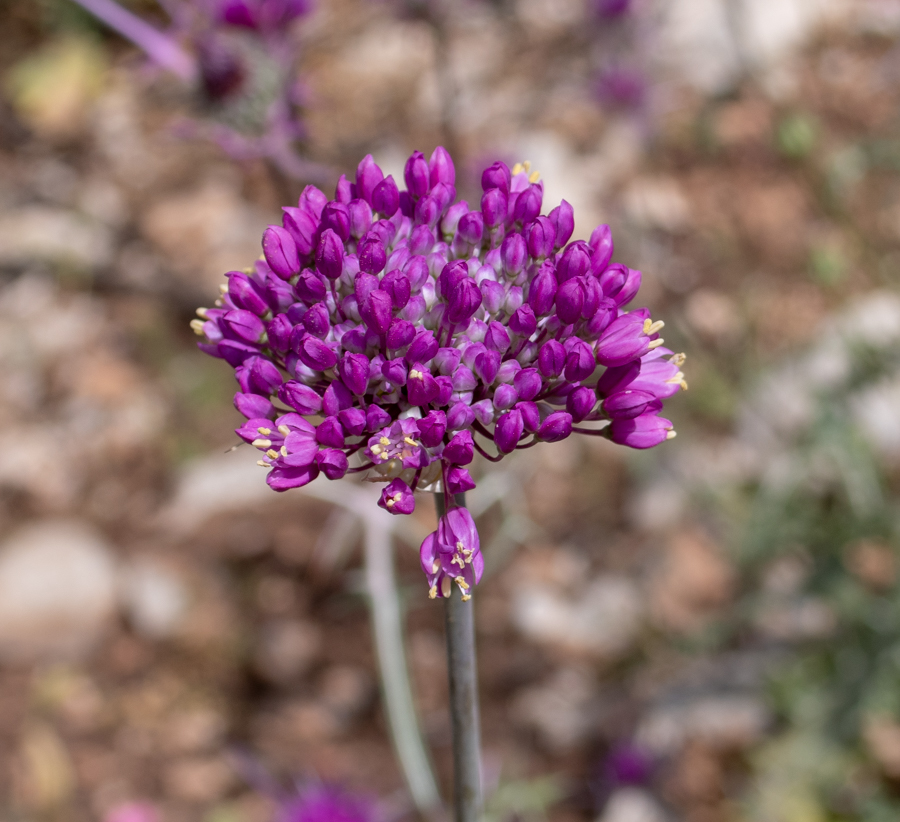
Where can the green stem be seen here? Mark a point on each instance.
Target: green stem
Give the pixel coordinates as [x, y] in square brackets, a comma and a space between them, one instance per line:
[461, 664]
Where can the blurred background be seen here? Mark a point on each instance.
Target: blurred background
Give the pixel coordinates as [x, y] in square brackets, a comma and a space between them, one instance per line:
[708, 632]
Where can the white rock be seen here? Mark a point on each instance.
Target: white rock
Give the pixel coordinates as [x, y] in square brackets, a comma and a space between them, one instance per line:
[154, 597]
[632, 805]
[602, 622]
[561, 710]
[53, 235]
[57, 590]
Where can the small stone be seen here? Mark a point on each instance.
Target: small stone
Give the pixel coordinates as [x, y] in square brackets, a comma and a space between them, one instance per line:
[57, 590]
[347, 689]
[198, 779]
[285, 649]
[873, 562]
[632, 805]
[155, 598]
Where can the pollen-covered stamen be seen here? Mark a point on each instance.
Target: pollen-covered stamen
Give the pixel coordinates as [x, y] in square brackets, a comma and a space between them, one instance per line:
[678, 359]
[267, 431]
[284, 430]
[197, 327]
[670, 435]
[651, 328]
[272, 454]
[678, 379]
[416, 375]
[432, 591]
[392, 501]
[461, 582]
[655, 343]
[446, 586]
[261, 443]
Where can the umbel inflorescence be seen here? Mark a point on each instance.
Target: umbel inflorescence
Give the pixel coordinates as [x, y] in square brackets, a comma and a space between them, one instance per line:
[403, 330]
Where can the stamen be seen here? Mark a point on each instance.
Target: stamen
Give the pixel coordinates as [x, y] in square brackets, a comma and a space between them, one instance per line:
[264, 431]
[384, 441]
[460, 546]
[410, 440]
[656, 343]
[651, 328]
[416, 375]
[261, 443]
[284, 452]
[223, 287]
[197, 327]
[284, 430]
[432, 591]
[272, 454]
[534, 176]
[678, 359]
[446, 586]
[201, 312]
[679, 377]
[461, 582]
[670, 435]
[435, 566]
[263, 464]
[466, 597]
[376, 449]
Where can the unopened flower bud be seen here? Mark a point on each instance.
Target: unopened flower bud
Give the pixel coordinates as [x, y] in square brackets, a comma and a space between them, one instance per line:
[508, 431]
[301, 398]
[432, 428]
[368, 176]
[496, 176]
[563, 219]
[330, 255]
[556, 427]
[494, 204]
[460, 450]
[416, 175]
[386, 197]
[280, 252]
[513, 253]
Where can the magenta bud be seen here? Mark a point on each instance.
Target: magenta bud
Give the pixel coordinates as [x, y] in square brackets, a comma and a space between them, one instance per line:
[233, 352]
[440, 167]
[421, 386]
[523, 321]
[494, 204]
[243, 326]
[623, 341]
[336, 216]
[570, 301]
[556, 427]
[336, 398]
[459, 416]
[604, 315]
[513, 253]
[505, 397]
[280, 252]
[645, 431]
[452, 216]
[330, 255]
[316, 354]
[618, 378]
[400, 334]
[310, 287]
[253, 406]
[552, 359]
[330, 432]
[620, 283]
[628, 404]
[492, 295]
[575, 262]
[459, 480]
[542, 291]
[264, 376]
[471, 227]
[353, 370]
[343, 191]
[528, 203]
[283, 479]
[486, 366]
[416, 175]
[317, 321]
[394, 371]
[484, 411]
[375, 311]
[451, 275]
[463, 301]
[580, 363]
[312, 201]
[496, 176]
[300, 397]
[414, 310]
[432, 428]
[332, 463]
[372, 256]
[397, 284]
[531, 415]
[445, 391]
[463, 379]
[460, 450]
[428, 210]
[363, 285]
[528, 383]
[423, 348]
[302, 226]
[508, 431]
[360, 218]
[245, 293]
[397, 498]
[447, 360]
[421, 241]
[593, 295]
[386, 197]
[539, 237]
[444, 194]
[496, 338]
[368, 176]
[376, 418]
[601, 245]
[353, 421]
[508, 370]
[563, 219]
[580, 402]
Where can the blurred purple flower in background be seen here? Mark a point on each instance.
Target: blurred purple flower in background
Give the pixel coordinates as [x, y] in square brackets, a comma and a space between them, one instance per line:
[627, 764]
[327, 803]
[133, 812]
[411, 325]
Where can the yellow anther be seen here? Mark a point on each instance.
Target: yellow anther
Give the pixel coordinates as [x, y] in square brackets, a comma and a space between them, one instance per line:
[272, 454]
[384, 441]
[376, 450]
[264, 431]
[261, 443]
[651, 327]
[534, 176]
[445, 586]
[284, 430]
[223, 287]
[435, 565]
[518, 168]
[678, 359]
[416, 375]
[466, 597]
[263, 464]
[202, 312]
[284, 452]
[684, 385]
[670, 435]
[390, 502]
[679, 377]
[461, 582]
[460, 546]
[197, 327]
[656, 343]
[432, 591]
[458, 560]
[410, 441]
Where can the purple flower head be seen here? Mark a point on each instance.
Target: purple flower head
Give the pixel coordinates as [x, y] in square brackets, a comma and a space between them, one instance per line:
[413, 331]
[327, 804]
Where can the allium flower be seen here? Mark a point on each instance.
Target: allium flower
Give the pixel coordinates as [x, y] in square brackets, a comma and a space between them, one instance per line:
[327, 804]
[400, 329]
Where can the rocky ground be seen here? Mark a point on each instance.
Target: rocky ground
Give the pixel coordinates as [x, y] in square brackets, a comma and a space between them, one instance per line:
[168, 626]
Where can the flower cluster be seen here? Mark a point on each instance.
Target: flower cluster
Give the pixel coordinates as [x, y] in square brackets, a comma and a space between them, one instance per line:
[415, 330]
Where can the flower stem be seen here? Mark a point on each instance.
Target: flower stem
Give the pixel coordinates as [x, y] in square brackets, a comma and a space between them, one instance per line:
[460, 626]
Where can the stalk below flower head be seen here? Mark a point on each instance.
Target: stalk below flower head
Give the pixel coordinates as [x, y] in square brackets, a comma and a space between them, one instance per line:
[404, 330]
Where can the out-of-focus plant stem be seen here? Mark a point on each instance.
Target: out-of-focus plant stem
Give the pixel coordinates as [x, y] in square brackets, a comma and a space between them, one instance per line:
[161, 48]
[462, 671]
